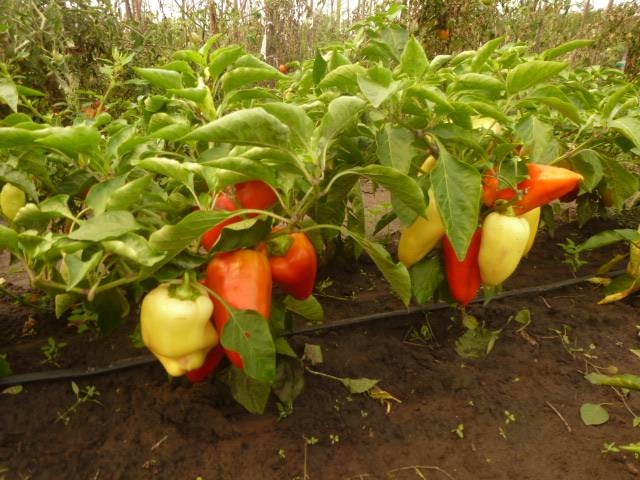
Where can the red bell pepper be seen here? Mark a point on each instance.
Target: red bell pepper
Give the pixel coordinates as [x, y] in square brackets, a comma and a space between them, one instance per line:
[296, 270]
[545, 184]
[463, 276]
[211, 362]
[223, 202]
[243, 279]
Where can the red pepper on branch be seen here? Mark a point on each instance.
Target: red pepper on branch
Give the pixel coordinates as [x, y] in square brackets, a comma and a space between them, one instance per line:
[242, 278]
[295, 268]
[211, 362]
[463, 276]
[545, 184]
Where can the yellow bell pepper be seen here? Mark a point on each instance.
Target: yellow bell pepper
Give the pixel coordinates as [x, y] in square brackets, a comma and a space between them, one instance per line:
[12, 199]
[504, 239]
[422, 236]
[533, 219]
[175, 320]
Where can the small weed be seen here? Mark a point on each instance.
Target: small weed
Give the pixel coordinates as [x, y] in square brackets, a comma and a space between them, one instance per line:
[502, 432]
[334, 438]
[459, 431]
[282, 453]
[509, 417]
[423, 335]
[85, 395]
[572, 255]
[136, 338]
[51, 351]
[83, 320]
[284, 409]
[311, 440]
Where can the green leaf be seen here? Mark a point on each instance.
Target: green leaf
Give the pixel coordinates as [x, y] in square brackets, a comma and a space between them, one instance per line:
[78, 268]
[221, 58]
[319, 67]
[294, 117]
[167, 167]
[587, 163]
[9, 93]
[15, 137]
[431, 94]
[239, 77]
[32, 216]
[395, 147]
[609, 237]
[289, 381]
[342, 113]
[124, 197]
[100, 193]
[8, 239]
[250, 169]
[313, 353]
[625, 380]
[480, 81]
[396, 273]
[359, 385]
[458, 191]
[532, 73]
[476, 342]
[623, 183]
[484, 52]
[15, 390]
[593, 414]
[252, 394]
[567, 109]
[308, 308]
[344, 78]
[112, 308]
[613, 99]
[377, 85]
[160, 77]
[64, 301]
[105, 226]
[243, 234]
[413, 61]
[426, 277]
[71, 140]
[565, 48]
[252, 126]
[247, 333]
[489, 110]
[629, 127]
[135, 248]
[538, 139]
[177, 237]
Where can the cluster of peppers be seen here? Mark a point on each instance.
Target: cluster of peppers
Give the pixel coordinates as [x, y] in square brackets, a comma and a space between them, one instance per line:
[505, 236]
[181, 322]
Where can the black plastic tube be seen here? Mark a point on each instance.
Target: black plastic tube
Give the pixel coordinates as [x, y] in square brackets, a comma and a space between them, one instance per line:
[70, 373]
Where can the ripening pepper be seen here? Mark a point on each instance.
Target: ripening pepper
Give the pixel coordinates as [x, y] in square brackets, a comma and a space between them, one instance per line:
[545, 184]
[294, 269]
[424, 234]
[254, 194]
[533, 219]
[12, 199]
[243, 279]
[214, 357]
[503, 241]
[176, 327]
[463, 276]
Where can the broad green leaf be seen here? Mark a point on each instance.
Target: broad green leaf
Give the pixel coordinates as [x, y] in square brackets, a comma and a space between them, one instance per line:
[476, 342]
[53, 207]
[250, 169]
[190, 55]
[377, 84]
[135, 248]
[29, 92]
[623, 183]
[613, 99]
[248, 392]
[112, 308]
[64, 301]
[195, 94]
[484, 52]
[431, 94]
[294, 117]
[289, 381]
[221, 58]
[342, 113]
[211, 41]
[565, 48]
[8, 239]
[439, 61]
[625, 380]
[538, 139]
[243, 234]
[18, 179]
[5, 368]
[567, 109]
[78, 269]
[160, 77]
[9, 93]
[251, 61]
[177, 237]
[593, 414]
[247, 333]
[609, 237]
[426, 277]
[587, 163]
[124, 197]
[105, 226]
[532, 73]
[480, 81]
[313, 353]
[100, 193]
[413, 61]
[319, 67]
[396, 273]
[489, 110]
[344, 78]
[239, 77]
[15, 137]
[79, 138]
[167, 167]
[395, 147]
[458, 191]
[252, 126]
[629, 127]
[359, 385]
[454, 135]
[309, 308]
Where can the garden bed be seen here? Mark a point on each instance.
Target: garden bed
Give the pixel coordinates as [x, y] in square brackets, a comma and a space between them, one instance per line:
[519, 406]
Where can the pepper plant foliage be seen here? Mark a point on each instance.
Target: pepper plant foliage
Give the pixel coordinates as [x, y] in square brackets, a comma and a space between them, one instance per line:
[118, 203]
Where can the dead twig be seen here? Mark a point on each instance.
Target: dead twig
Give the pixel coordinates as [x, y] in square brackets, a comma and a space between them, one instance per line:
[159, 442]
[555, 410]
[417, 468]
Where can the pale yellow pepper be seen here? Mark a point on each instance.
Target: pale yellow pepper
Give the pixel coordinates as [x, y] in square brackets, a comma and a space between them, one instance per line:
[422, 236]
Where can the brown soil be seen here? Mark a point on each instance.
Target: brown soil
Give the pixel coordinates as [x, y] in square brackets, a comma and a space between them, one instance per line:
[150, 428]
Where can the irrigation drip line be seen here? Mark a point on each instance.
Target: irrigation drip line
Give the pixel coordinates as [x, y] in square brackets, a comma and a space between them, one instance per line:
[70, 373]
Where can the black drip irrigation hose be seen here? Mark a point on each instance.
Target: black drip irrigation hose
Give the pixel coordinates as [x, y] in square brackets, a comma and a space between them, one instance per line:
[70, 373]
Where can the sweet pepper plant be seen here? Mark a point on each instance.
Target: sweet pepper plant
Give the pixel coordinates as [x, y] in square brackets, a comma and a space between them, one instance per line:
[226, 177]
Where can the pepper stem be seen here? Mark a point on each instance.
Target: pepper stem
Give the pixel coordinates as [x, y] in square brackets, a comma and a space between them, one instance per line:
[184, 290]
